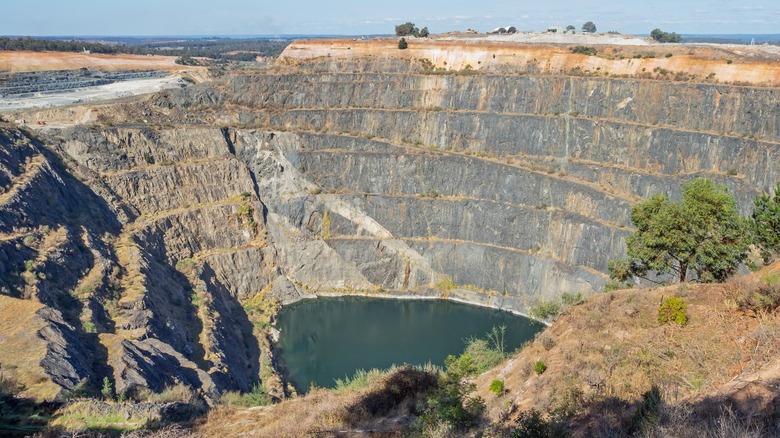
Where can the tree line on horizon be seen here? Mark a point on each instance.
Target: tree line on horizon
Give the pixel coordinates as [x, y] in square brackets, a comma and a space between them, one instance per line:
[220, 48]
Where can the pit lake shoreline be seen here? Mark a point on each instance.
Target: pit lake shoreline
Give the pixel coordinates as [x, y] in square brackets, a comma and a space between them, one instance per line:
[331, 338]
[462, 296]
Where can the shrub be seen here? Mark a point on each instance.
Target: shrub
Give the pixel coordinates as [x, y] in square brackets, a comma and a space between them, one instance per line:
[361, 379]
[546, 310]
[497, 387]
[585, 50]
[484, 355]
[402, 44]
[9, 385]
[570, 401]
[572, 299]
[451, 404]
[89, 327]
[480, 354]
[446, 285]
[673, 310]
[540, 367]
[613, 285]
[107, 391]
[765, 223]
[177, 393]
[648, 411]
[531, 424]
[258, 396]
[763, 297]
[186, 60]
[547, 341]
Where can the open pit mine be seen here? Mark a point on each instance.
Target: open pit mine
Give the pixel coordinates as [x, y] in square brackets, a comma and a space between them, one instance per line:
[150, 240]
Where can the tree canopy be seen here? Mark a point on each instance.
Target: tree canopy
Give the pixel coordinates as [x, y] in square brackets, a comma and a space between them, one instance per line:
[703, 233]
[589, 27]
[406, 29]
[410, 29]
[665, 37]
[765, 222]
[216, 48]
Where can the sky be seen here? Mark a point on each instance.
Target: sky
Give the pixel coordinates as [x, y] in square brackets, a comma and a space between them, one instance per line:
[364, 17]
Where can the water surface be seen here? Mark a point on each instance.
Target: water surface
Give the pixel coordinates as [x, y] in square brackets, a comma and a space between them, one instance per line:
[330, 338]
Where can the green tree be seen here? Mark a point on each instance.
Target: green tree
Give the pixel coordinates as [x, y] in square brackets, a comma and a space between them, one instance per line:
[665, 37]
[107, 391]
[402, 44]
[424, 32]
[589, 27]
[451, 402]
[703, 233]
[570, 28]
[765, 223]
[407, 29]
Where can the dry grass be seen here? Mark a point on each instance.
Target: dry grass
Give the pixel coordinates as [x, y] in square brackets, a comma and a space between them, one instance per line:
[328, 412]
[687, 64]
[613, 348]
[178, 393]
[22, 350]
[21, 61]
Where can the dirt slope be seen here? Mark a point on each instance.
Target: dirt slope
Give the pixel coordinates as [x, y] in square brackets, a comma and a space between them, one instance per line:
[613, 348]
[721, 64]
[24, 61]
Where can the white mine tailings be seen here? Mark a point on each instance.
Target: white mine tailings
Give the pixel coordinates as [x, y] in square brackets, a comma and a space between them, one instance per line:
[91, 94]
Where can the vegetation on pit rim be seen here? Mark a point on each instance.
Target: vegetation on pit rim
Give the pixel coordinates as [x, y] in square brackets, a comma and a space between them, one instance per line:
[672, 310]
[410, 29]
[549, 310]
[665, 37]
[215, 48]
[585, 50]
[765, 222]
[703, 234]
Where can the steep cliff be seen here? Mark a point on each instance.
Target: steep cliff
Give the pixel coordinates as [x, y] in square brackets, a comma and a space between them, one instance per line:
[161, 235]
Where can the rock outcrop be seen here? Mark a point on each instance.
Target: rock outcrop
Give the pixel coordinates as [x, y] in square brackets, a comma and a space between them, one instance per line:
[167, 244]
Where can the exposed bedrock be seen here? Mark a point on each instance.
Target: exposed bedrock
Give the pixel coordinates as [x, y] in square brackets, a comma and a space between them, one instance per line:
[165, 245]
[688, 106]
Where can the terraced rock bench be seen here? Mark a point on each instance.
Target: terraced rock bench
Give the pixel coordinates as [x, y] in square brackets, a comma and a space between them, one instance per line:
[20, 85]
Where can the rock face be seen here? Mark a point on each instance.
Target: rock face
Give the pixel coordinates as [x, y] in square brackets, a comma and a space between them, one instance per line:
[19, 85]
[165, 245]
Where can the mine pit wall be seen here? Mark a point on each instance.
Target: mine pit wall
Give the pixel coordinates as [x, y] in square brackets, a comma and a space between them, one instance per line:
[514, 187]
[20, 85]
[648, 127]
[554, 162]
[559, 160]
[199, 236]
